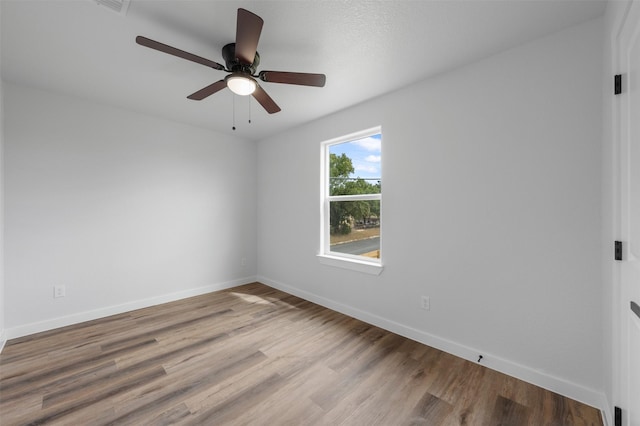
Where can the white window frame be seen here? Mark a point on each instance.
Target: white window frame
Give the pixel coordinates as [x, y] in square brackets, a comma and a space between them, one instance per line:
[325, 255]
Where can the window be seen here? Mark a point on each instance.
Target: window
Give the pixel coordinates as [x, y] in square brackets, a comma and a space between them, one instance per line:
[351, 197]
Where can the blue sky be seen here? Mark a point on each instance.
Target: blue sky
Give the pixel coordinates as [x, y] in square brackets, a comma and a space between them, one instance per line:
[364, 154]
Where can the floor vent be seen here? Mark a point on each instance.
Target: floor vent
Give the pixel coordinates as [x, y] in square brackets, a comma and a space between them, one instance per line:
[118, 6]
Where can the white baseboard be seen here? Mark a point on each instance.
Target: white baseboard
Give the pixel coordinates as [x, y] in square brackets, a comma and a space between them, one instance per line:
[563, 387]
[3, 339]
[605, 410]
[37, 327]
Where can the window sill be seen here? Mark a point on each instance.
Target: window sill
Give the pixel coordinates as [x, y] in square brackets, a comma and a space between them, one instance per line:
[372, 268]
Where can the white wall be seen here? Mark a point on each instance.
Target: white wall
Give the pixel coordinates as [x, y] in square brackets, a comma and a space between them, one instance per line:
[124, 209]
[491, 206]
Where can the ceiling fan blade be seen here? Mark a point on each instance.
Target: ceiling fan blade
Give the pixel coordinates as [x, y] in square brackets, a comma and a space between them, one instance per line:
[265, 100]
[248, 29]
[147, 42]
[300, 78]
[208, 91]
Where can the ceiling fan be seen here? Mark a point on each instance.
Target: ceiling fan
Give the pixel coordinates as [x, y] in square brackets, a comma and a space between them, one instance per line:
[241, 60]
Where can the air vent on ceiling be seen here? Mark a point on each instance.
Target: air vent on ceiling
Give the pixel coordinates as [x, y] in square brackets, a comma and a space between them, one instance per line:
[118, 6]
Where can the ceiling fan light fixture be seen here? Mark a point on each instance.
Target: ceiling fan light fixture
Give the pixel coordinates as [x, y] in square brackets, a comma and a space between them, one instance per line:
[241, 84]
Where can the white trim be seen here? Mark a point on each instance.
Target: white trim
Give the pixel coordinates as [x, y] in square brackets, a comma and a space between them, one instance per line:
[326, 256]
[354, 263]
[356, 197]
[559, 385]
[50, 324]
[3, 339]
[622, 32]
[612, 135]
[605, 411]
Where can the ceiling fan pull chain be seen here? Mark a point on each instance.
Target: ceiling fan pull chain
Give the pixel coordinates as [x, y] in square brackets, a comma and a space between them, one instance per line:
[234, 112]
[249, 110]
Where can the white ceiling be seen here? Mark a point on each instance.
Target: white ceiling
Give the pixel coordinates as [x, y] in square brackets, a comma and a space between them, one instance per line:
[366, 49]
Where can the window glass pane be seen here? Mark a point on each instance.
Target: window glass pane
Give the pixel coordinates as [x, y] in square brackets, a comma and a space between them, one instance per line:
[354, 227]
[354, 167]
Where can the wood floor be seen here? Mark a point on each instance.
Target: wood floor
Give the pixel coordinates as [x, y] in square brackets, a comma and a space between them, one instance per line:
[253, 355]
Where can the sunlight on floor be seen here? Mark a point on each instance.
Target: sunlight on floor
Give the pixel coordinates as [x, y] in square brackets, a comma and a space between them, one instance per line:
[249, 298]
[252, 298]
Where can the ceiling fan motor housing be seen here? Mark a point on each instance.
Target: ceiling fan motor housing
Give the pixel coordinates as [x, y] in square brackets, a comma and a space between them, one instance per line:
[234, 65]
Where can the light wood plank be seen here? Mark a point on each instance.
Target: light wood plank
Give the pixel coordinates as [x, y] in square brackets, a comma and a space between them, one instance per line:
[253, 355]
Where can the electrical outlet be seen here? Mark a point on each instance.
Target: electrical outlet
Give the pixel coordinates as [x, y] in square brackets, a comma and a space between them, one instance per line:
[243, 261]
[425, 303]
[59, 291]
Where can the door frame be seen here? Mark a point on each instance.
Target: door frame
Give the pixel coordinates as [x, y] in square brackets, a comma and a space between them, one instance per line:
[623, 30]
